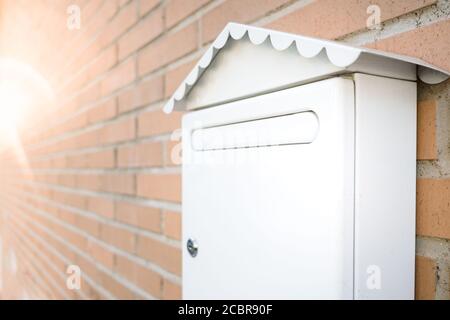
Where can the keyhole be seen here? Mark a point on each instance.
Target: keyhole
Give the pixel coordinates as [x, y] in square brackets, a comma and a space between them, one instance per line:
[192, 247]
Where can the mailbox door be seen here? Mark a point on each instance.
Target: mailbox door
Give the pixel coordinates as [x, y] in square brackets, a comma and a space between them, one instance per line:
[268, 196]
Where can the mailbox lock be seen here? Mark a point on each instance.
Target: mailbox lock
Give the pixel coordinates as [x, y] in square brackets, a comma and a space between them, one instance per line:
[192, 247]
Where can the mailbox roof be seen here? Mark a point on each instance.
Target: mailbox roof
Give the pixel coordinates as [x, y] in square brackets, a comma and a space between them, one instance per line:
[340, 55]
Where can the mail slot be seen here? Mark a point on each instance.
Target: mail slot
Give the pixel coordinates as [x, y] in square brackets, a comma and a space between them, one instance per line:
[295, 128]
[308, 190]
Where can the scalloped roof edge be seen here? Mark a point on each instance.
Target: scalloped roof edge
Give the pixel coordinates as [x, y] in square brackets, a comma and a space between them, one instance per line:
[341, 55]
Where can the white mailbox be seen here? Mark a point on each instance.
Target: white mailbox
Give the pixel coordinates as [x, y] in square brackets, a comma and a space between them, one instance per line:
[299, 170]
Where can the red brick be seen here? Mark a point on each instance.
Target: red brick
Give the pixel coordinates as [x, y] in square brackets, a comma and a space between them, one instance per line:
[433, 208]
[119, 131]
[83, 140]
[148, 280]
[89, 291]
[237, 11]
[88, 95]
[332, 19]
[125, 267]
[425, 278]
[70, 199]
[104, 111]
[74, 82]
[101, 254]
[101, 159]
[429, 43]
[166, 256]
[147, 154]
[72, 237]
[77, 122]
[102, 16]
[119, 77]
[168, 49]
[67, 180]
[145, 31]
[177, 10]
[75, 161]
[172, 224]
[157, 122]
[426, 130]
[126, 17]
[145, 278]
[103, 63]
[171, 290]
[89, 181]
[66, 216]
[139, 216]
[87, 266]
[144, 93]
[159, 186]
[123, 2]
[146, 5]
[116, 288]
[122, 183]
[118, 237]
[90, 9]
[88, 225]
[101, 206]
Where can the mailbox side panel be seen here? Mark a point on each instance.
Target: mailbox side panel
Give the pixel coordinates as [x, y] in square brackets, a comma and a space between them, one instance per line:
[385, 180]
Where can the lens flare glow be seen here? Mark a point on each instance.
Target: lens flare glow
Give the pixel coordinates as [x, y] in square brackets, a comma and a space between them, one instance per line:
[22, 89]
[13, 102]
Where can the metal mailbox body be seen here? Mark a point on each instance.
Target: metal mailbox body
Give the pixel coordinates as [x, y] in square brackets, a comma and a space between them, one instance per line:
[299, 168]
[275, 194]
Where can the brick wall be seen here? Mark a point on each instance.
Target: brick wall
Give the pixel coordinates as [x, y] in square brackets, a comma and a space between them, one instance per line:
[91, 182]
